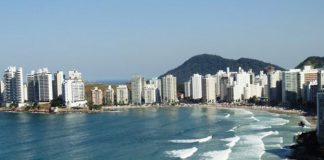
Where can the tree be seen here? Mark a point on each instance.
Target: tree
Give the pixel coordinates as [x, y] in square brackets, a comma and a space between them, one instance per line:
[57, 102]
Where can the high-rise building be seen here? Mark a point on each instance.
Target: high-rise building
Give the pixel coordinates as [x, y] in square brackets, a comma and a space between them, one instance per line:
[13, 86]
[320, 79]
[74, 90]
[96, 95]
[110, 97]
[157, 84]
[187, 89]
[196, 83]
[150, 94]
[39, 86]
[122, 94]
[209, 89]
[58, 84]
[44, 84]
[320, 116]
[169, 89]
[291, 89]
[25, 92]
[1, 91]
[275, 87]
[137, 85]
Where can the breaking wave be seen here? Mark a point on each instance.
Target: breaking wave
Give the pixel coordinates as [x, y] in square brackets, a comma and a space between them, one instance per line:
[182, 153]
[202, 140]
[217, 155]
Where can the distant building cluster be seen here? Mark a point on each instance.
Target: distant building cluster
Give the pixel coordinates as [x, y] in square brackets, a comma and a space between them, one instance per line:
[292, 87]
[141, 92]
[41, 87]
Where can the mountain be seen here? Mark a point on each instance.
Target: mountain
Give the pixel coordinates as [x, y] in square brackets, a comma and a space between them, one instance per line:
[210, 64]
[316, 62]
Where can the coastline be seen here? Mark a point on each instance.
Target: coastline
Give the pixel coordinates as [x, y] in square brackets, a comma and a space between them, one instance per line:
[310, 120]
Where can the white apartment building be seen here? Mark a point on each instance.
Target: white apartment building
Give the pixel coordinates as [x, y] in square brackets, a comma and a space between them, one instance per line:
[150, 94]
[187, 89]
[96, 96]
[158, 85]
[137, 85]
[110, 96]
[44, 85]
[291, 86]
[122, 94]
[58, 84]
[196, 83]
[74, 91]
[209, 89]
[274, 86]
[13, 86]
[169, 89]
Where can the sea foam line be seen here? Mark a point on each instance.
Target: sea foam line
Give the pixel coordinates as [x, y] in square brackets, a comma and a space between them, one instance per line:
[202, 140]
[227, 115]
[217, 155]
[232, 141]
[182, 153]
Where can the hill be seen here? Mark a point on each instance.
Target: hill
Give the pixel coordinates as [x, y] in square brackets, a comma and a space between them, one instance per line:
[210, 64]
[316, 62]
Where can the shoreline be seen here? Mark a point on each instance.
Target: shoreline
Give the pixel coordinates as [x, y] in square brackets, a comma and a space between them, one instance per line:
[310, 120]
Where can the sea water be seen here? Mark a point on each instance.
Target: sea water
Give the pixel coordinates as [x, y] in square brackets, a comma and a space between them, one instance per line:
[153, 133]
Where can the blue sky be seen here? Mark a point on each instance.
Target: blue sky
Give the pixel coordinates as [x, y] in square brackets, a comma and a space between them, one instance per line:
[116, 39]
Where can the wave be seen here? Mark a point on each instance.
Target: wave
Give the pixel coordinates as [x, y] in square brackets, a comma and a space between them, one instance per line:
[227, 115]
[219, 155]
[277, 140]
[182, 153]
[254, 147]
[202, 140]
[232, 141]
[233, 129]
[276, 121]
[256, 127]
[303, 118]
[255, 119]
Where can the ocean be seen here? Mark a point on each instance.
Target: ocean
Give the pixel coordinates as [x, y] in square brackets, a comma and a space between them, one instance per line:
[196, 133]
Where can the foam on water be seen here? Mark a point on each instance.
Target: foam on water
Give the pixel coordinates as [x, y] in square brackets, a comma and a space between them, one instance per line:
[253, 144]
[182, 153]
[232, 141]
[303, 118]
[202, 140]
[275, 140]
[217, 155]
[255, 119]
[227, 115]
[276, 121]
[243, 112]
[256, 127]
[233, 129]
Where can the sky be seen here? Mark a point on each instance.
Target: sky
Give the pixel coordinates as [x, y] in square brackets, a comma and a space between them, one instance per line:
[109, 40]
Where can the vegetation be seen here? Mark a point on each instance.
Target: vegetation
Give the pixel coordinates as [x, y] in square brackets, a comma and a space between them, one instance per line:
[57, 102]
[210, 64]
[316, 62]
[307, 147]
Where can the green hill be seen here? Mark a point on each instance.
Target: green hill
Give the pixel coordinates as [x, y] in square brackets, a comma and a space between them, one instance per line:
[210, 64]
[316, 62]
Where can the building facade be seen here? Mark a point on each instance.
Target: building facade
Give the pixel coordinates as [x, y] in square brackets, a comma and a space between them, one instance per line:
[58, 84]
[169, 89]
[13, 86]
[74, 91]
[196, 83]
[137, 85]
[96, 96]
[110, 96]
[122, 95]
[320, 116]
[150, 94]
